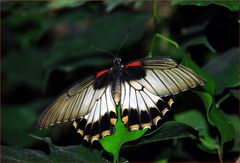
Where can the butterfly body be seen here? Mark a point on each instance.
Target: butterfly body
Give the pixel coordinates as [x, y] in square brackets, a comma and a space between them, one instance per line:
[144, 90]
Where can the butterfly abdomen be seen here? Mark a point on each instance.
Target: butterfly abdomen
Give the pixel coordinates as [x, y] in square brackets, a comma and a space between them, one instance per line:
[116, 90]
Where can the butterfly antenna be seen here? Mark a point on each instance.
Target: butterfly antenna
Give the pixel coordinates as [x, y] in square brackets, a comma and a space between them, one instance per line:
[101, 50]
[123, 42]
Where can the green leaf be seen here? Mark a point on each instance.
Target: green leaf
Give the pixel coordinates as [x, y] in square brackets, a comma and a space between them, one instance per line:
[25, 119]
[225, 70]
[112, 4]
[224, 125]
[65, 3]
[200, 40]
[76, 153]
[236, 125]
[18, 121]
[197, 120]
[231, 5]
[170, 130]
[18, 154]
[122, 135]
[217, 118]
[197, 39]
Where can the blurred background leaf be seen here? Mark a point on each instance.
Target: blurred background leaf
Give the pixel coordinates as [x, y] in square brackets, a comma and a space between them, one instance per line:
[76, 153]
[25, 69]
[225, 70]
[20, 120]
[232, 5]
[65, 3]
[106, 27]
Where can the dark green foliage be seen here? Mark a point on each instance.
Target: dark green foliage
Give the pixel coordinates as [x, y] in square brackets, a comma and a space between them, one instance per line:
[77, 153]
[225, 70]
[45, 49]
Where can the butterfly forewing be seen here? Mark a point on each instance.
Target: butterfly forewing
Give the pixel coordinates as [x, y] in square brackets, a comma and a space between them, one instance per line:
[168, 77]
[68, 105]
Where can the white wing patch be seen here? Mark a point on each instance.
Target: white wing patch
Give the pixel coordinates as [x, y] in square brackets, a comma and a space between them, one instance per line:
[141, 108]
[100, 120]
[70, 106]
[165, 77]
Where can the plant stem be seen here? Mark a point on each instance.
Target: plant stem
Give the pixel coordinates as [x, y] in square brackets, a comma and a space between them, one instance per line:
[155, 27]
[219, 151]
[155, 15]
[167, 39]
[151, 47]
[115, 158]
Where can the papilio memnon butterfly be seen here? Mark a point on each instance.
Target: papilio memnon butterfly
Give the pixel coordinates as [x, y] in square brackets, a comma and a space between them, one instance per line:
[143, 88]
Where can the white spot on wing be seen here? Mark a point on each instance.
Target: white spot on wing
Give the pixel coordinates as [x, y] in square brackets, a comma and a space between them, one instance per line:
[125, 97]
[133, 100]
[135, 85]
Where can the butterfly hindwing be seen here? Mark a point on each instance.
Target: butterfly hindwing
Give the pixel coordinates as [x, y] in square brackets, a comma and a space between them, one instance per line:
[140, 108]
[100, 120]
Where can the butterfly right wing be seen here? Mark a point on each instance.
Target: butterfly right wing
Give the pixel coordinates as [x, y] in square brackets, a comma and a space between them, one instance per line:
[148, 87]
[89, 104]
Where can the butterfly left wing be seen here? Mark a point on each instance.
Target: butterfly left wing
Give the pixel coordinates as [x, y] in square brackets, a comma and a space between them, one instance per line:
[88, 104]
[147, 89]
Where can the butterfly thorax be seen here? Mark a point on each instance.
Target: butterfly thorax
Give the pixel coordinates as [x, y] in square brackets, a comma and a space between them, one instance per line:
[116, 72]
[117, 67]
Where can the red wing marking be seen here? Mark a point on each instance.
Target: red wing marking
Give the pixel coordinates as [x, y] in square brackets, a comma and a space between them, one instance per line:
[101, 73]
[134, 64]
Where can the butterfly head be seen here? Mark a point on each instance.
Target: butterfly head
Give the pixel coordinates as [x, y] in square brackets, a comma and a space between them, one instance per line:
[116, 61]
[117, 66]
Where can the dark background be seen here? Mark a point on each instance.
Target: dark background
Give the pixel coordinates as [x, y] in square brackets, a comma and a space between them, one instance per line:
[45, 49]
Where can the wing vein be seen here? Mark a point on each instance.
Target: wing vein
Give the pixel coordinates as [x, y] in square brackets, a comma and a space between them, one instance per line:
[172, 80]
[189, 74]
[162, 82]
[180, 77]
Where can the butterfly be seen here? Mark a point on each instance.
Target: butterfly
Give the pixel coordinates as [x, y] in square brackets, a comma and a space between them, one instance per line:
[144, 89]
